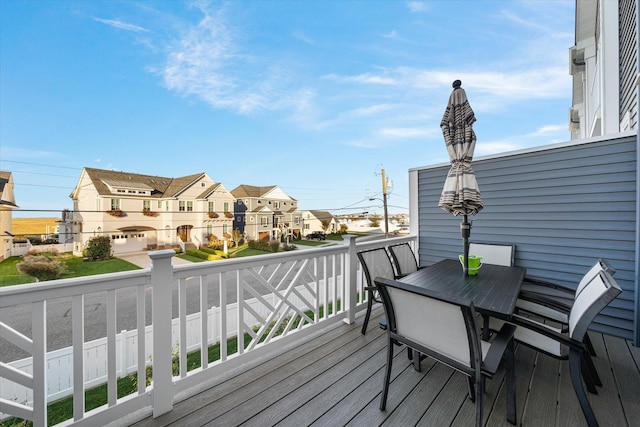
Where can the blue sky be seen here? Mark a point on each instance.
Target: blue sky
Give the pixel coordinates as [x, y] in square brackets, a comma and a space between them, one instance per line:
[313, 96]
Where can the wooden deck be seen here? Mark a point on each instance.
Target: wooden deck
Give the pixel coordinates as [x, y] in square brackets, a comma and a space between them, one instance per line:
[336, 378]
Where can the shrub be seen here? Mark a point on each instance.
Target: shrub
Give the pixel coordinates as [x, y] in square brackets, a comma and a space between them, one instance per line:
[203, 255]
[43, 266]
[216, 244]
[259, 245]
[98, 248]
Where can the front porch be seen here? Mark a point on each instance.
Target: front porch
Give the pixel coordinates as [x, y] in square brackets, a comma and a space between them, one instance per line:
[335, 379]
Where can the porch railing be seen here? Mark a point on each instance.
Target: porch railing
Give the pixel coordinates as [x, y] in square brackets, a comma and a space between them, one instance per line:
[264, 305]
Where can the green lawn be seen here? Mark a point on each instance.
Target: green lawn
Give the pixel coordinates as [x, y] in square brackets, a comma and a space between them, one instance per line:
[76, 267]
[9, 274]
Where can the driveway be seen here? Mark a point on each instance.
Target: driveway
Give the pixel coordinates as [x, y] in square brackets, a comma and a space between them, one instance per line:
[141, 259]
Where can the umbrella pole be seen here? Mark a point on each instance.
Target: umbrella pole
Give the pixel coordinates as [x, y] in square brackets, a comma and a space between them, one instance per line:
[465, 231]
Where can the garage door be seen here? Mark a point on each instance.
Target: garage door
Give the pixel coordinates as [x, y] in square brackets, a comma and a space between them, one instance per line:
[129, 241]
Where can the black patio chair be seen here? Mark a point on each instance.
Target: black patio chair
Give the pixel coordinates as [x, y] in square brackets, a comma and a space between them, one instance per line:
[494, 253]
[445, 329]
[593, 298]
[404, 259]
[553, 301]
[375, 263]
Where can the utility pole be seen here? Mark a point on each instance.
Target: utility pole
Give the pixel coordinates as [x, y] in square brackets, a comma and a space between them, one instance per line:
[384, 201]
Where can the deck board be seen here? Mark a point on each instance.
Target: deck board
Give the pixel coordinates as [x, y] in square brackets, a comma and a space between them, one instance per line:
[335, 379]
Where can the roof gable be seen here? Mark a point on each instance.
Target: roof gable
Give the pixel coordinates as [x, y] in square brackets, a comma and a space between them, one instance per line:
[105, 181]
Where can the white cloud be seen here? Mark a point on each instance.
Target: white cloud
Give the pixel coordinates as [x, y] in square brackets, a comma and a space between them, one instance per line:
[393, 34]
[403, 133]
[303, 37]
[417, 6]
[546, 134]
[208, 62]
[122, 25]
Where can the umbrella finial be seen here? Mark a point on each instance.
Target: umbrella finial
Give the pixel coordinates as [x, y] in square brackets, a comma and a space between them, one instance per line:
[457, 84]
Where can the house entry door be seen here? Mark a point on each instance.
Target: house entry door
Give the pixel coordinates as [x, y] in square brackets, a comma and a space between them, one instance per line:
[183, 232]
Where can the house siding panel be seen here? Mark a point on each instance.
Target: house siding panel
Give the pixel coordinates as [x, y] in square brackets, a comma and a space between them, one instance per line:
[563, 207]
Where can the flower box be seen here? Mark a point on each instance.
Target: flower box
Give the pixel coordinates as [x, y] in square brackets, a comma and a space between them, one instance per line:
[228, 214]
[148, 212]
[213, 215]
[116, 212]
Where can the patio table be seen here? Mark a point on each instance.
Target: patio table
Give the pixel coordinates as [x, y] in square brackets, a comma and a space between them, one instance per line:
[494, 290]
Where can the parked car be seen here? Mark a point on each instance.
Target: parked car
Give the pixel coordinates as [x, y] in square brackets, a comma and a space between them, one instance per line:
[319, 235]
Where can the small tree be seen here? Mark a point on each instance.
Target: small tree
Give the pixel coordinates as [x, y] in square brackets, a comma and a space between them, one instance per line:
[325, 224]
[343, 228]
[375, 222]
[98, 248]
[236, 236]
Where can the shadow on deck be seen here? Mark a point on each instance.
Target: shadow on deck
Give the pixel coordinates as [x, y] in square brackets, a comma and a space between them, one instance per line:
[335, 379]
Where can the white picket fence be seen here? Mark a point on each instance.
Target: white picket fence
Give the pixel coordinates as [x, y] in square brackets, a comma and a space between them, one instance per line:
[20, 249]
[60, 362]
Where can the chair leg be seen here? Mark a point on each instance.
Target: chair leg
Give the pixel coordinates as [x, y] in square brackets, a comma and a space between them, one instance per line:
[576, 379]
[479, 386]
[590, 373]
[471, 386]
[367, 314]
[387, 376]
[589, 345]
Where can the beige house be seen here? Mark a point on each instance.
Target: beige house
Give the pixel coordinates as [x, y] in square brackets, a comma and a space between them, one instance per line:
[265, 213]
[316, 220]
[7, 204]
[140, 212]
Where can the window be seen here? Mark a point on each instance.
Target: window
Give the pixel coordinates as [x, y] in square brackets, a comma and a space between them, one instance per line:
[115, 204]
[181, 207]
[264, 221]
[209, 229]
[146, 205]
[203, 184]
[212, 207]
[189, 206]
[225, 228]
[226, 206]
[296, 220]
[159, 204]
[276, 205]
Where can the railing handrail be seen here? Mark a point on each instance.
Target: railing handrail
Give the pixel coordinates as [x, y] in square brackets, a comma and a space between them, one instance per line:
[328, 275]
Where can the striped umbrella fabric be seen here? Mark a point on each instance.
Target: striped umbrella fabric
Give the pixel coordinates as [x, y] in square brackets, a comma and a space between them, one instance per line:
[460, 194]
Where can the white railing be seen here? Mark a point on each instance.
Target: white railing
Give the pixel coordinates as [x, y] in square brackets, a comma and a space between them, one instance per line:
[265, 304]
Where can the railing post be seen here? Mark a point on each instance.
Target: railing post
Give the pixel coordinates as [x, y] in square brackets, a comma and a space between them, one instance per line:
[161, 280]
[351, 268]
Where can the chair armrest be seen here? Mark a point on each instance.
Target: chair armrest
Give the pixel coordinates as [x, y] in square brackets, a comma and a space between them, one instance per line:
[546, 331]
[530, 282]
[546, 301]
[498, 347]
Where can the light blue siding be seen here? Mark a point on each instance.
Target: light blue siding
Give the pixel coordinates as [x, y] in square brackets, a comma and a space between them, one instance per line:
[563, 207]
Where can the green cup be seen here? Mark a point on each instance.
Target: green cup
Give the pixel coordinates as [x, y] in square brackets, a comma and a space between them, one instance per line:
[475, 262]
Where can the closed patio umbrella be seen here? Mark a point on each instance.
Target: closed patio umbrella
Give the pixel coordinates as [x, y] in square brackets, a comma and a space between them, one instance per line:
[460, 194]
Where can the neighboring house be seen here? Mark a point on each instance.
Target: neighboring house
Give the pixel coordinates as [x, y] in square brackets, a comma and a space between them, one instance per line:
[140, 212]
[265, 213]
[604, 66]
[313, 221]
[7, 204]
